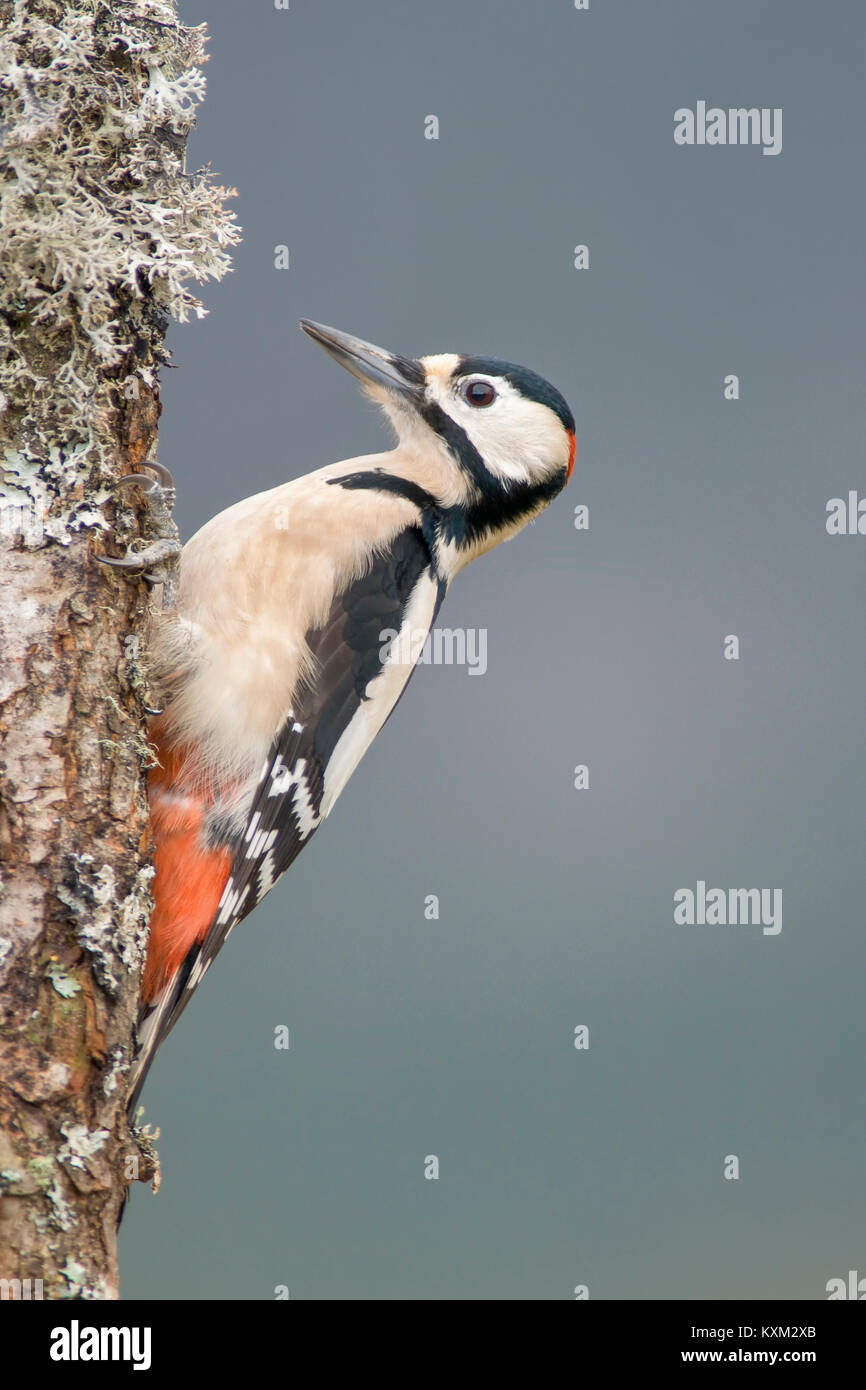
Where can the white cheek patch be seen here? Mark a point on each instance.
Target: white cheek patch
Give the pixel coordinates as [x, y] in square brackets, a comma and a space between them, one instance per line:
[520, 441]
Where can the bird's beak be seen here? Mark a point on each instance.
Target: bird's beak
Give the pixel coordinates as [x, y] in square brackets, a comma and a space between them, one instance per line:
[371, 365]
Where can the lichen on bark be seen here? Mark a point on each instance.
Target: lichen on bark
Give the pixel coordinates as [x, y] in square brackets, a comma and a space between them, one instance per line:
[101, 232]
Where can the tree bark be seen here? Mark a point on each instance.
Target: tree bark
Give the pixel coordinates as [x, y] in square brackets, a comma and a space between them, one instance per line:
[100, 231]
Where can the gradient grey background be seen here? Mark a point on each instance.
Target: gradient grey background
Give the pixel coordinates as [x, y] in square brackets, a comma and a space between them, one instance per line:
[455, 1038]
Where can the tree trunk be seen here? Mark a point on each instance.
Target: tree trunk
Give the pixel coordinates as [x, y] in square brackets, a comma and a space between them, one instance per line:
[100, 229]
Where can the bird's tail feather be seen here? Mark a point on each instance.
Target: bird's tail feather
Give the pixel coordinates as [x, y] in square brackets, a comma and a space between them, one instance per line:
[150, 1031]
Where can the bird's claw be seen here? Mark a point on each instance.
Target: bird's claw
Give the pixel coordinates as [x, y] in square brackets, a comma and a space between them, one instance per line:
[163, 478]
[155, 561]
[145, 562]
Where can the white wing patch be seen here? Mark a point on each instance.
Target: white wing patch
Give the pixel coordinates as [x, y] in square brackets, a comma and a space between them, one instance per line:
[382, 693]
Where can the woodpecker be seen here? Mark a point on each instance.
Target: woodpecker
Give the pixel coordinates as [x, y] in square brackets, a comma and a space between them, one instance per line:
[272, 672]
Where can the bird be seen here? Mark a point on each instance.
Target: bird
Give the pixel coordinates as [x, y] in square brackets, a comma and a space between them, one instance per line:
[271, 672]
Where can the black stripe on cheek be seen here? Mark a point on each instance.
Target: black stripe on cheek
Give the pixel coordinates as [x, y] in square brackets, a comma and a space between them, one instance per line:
[458, 442]
[500, 502]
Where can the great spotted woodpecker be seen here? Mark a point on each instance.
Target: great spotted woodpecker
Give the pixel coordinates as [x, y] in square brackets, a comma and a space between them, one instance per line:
[273, 676]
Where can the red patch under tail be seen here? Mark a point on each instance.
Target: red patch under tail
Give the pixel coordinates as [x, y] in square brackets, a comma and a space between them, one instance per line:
[189, 878]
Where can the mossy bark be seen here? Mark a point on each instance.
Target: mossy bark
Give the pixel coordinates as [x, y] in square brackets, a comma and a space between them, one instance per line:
[101, 227]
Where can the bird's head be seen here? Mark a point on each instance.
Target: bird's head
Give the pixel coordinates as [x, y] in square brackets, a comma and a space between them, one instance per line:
[506, 428]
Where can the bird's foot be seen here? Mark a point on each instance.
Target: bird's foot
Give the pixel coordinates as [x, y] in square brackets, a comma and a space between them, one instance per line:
[155, 559]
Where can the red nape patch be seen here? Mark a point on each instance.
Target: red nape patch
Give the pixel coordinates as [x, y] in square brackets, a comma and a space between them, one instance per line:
[572, 453]
[189, 880]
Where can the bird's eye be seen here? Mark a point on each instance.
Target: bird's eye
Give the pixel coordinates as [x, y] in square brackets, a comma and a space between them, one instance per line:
[478, 392]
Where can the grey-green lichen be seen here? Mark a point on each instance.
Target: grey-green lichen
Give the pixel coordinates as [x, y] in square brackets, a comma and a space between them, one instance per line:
[42, 1169]
[78, 1285]
[114, 935]
[65, 985]
[62, 1213]
[81, 1145]
[102, 231]
[114, 1070]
